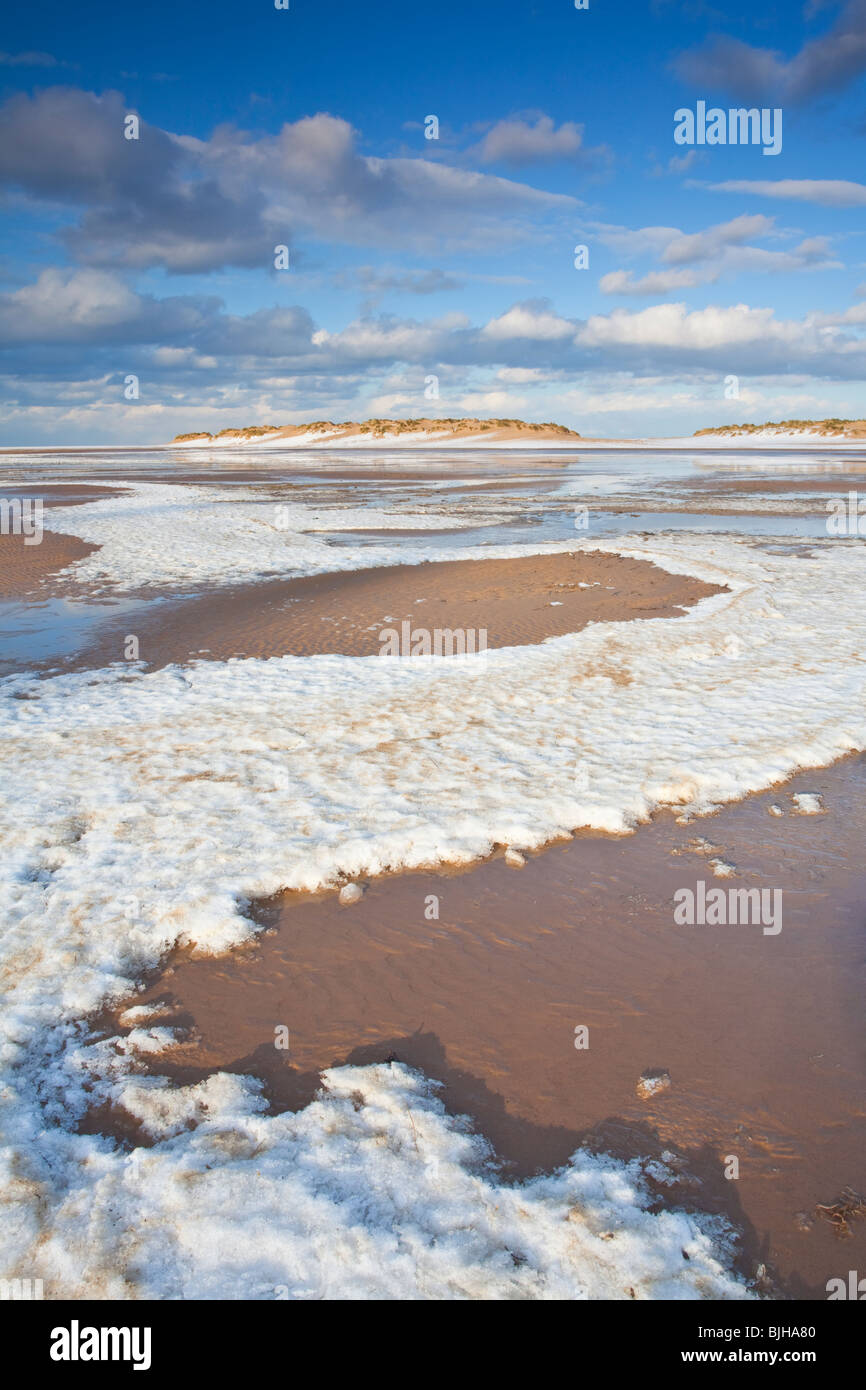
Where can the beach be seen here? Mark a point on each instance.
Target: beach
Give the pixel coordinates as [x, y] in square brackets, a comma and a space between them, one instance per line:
[342, 966]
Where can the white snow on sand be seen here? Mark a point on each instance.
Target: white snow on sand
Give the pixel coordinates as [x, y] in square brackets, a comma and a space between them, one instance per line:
[371, 1191]
[144, 810]
[793, 441]
[167, 534]
[410, 439]
[442, 439]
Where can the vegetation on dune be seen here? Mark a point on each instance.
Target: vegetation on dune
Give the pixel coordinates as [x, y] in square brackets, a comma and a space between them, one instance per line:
[380, 427]
[830, 426]
[455, 424]
[250, 430]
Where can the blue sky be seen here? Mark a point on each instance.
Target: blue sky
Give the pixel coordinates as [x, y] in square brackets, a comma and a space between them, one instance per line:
[412, 257]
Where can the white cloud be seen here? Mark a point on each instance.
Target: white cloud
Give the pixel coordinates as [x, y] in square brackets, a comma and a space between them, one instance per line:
[688, 247]
[30, 59]
[182, 357]
[388, 338]
[824, 64]
[495, 402]
[828, 193]
[529, 320]
[674, 326]
[517, 141]
[521, 376]
[656, 282]
[192, 205]
[717, 250]
[63, 303]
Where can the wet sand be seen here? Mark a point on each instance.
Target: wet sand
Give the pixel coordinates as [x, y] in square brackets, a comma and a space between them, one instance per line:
[31, 570]
[830, 482]
[282, 468]
[762, 1034]
[61, 494]
[518, 601]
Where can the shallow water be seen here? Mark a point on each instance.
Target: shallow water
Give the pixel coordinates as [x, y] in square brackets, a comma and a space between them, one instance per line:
[518, 498]
[762, 1035]
[609, 467]
[554, 526]
[56, 628]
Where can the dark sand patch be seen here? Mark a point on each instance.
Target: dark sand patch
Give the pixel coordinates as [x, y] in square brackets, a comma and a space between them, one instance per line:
[762, 1035]
[791, 483]
[518, 601]
[28, 569]
[61, 494]
[282, 469]
[31, 570]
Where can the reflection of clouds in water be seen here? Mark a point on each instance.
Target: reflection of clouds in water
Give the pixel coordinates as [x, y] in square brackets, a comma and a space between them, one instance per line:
[58, 627]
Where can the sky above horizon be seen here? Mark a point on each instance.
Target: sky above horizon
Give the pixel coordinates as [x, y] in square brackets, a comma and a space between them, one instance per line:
[723, 283]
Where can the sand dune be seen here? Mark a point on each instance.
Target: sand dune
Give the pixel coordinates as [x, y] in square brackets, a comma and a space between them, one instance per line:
[473, 433]
[373, 433]
[796, 430]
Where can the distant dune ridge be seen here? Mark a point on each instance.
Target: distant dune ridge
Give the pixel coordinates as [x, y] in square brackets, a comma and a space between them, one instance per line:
[439, 431]
[773, 429]
[469, 431]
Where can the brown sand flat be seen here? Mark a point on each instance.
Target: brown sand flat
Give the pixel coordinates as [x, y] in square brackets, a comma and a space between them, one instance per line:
[518, 601]
[829, 482]
[762, 1035]
[284, 469]
[30, 569]
[61, 494]
[704, 495]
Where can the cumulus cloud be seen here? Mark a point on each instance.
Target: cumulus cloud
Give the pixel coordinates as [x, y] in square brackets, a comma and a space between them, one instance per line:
[517, 141]
[688, 247]
[192, 205]
[656, 282]
[533, 319]
[824, 64]
[681, 163]
[388, 338]
[98, 312]
[31, 59]
[433, 281]
[827, 193]
[674, 326]
[520, 376]
[698, 258]
[68, 145]
[72, 335]
[95, 307]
